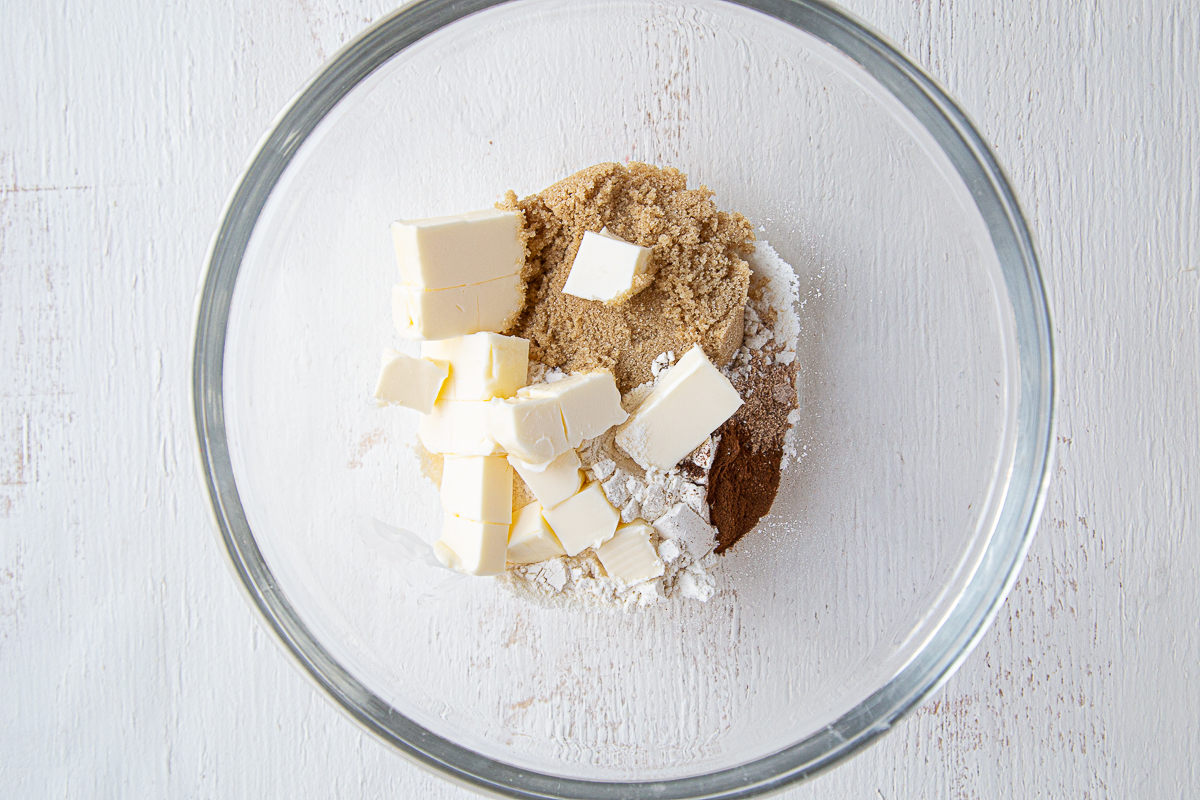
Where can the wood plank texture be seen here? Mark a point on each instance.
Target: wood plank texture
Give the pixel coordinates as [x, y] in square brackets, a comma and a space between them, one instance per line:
[135, 669]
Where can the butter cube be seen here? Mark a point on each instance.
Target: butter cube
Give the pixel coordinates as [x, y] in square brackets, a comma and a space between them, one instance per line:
[421, 314]
[553, 482]
[583, 521]
[590, 403]
[459, 427]
[692, 399]
[410, 382]
[530, 540]
[500, 302]
[459, 274]
[459, 250]
[530, 428]
[478, 488]
[628, 555]
[442, 313]
[476, 548]
[606, 268]
[482, 365]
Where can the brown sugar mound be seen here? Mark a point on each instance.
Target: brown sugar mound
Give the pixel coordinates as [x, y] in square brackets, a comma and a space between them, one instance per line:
[700, 276]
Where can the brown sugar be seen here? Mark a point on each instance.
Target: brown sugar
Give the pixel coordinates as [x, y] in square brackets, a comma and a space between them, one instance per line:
[700, 277]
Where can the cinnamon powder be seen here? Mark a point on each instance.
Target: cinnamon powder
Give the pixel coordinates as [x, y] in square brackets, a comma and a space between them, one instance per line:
[745, 475]
[742, 484]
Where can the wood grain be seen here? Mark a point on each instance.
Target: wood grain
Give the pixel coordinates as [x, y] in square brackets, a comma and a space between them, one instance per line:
[136, 670]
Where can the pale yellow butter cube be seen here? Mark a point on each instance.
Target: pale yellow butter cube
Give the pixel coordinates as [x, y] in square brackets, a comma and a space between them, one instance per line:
[482, 365]
[605, 267]
[590, 403]
[459, 427]
[410, 382]
[477, 487]
[459, 250]
[422, 314]
[551, 483]
[530, 428]
[583, 521]
[692, 399]
[628, 555]
[476, 548]
[530, 540]
[499, 302]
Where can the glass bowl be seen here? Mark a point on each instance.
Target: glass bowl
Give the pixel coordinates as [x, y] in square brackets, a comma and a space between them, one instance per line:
[926, 389]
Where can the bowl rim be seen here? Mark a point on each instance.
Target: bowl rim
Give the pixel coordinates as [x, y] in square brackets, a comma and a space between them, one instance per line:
[961, 629]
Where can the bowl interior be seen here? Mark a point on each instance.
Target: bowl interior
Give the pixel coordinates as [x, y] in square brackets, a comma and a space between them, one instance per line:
[908, 384]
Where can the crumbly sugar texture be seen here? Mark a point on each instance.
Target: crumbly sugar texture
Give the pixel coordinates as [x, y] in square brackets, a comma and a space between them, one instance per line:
[694, 292]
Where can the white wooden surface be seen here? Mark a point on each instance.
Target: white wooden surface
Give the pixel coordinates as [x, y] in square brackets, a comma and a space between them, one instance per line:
[133, 668]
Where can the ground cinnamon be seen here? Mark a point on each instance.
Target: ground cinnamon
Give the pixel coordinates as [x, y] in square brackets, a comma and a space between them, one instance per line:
[742, 484]
[745, 475]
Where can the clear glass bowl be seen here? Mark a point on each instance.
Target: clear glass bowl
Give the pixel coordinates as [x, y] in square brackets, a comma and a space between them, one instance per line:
[926, 390]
